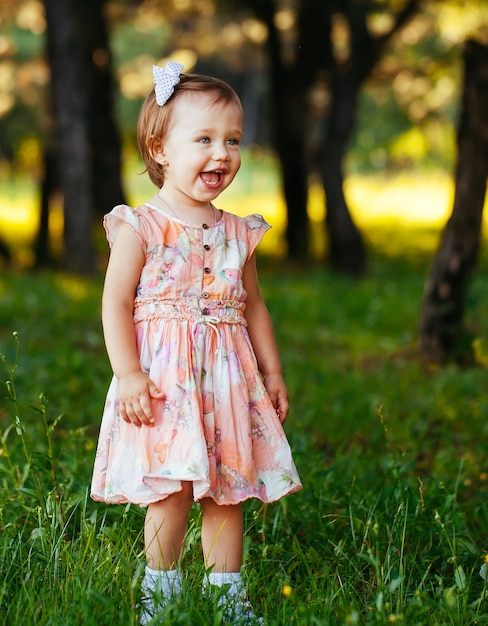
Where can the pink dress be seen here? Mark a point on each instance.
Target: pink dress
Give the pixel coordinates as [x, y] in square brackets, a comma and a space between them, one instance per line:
[216, 426]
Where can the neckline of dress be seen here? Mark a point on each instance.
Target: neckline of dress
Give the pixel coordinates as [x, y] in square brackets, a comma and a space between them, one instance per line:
[180, 221]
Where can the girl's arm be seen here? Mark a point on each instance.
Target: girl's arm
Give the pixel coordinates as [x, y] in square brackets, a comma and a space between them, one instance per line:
[261, 333]
[122, 277]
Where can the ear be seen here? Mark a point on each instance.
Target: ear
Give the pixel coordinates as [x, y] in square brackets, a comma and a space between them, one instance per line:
[156, 149]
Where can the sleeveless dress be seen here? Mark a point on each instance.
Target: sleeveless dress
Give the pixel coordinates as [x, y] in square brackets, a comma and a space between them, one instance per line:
[216, 425]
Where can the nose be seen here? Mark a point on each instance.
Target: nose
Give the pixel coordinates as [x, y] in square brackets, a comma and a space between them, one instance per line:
[221, 151]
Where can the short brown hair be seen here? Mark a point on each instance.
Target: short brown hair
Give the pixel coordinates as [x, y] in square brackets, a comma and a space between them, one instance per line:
[154, 119]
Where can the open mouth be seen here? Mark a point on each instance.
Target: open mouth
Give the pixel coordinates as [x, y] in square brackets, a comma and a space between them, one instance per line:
[212, 178]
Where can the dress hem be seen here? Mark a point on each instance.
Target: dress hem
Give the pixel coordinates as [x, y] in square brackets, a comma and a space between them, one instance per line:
[124, 500]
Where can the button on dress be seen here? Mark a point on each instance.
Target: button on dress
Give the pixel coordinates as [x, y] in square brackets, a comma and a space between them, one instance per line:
[216, 426]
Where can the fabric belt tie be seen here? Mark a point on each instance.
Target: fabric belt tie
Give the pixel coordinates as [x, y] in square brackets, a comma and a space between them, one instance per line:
[207, 320]
[212, 314]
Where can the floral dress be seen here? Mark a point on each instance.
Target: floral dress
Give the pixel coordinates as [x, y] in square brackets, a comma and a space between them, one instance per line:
[216, 425]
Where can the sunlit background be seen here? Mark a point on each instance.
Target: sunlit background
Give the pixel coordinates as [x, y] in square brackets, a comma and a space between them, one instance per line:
[403, 153]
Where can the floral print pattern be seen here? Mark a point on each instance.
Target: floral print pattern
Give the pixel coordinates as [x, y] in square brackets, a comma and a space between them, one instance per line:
[216, 425]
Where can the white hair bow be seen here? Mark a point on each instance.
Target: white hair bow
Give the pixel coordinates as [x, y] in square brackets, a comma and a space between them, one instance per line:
[165, 79]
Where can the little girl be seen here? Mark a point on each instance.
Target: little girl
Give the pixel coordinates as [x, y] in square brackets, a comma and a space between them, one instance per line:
[195, 410]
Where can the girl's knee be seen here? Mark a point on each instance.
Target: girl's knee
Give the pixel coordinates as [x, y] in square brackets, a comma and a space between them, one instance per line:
[210, 507]
[184, 498]
[180, 500]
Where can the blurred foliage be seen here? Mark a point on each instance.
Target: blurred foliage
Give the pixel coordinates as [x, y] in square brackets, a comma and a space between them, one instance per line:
[407, 111]
[409, 108]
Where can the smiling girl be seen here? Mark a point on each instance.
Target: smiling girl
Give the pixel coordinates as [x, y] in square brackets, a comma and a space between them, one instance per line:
[195, 409]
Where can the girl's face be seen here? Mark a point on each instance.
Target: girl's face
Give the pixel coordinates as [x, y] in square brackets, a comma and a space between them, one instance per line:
[201, 148]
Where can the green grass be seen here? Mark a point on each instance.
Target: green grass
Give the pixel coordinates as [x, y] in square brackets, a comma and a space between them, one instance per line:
[390, 526]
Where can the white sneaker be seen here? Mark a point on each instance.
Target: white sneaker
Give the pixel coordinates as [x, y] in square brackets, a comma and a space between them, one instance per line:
[157, 592]
[238, 610]
[151, 604]
[229, 593]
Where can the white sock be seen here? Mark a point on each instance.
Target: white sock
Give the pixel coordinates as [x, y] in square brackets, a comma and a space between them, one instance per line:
[167, 582]
[219, 579]
[233, 600]
[158, 588]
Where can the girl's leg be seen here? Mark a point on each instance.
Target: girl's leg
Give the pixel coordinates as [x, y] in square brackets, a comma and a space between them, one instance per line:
[222, 536]
[222, 539]
[164, 534]
[165, 529]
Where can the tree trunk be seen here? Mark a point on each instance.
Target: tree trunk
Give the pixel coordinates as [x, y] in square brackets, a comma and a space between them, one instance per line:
[288, 99]
[74, 151]
[291, 151]
[347, 253]
[49, 184]
[90, 58]
[104, 134]
[456, 259]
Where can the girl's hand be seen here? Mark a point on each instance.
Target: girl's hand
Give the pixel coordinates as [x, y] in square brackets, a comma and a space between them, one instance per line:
[276, 388]
[135, 393]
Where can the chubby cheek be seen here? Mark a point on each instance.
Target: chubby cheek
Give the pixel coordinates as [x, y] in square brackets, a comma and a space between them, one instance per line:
[236, 165]
[229, 178]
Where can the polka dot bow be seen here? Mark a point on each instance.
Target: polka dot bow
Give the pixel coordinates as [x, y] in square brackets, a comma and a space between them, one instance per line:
[165, 79]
